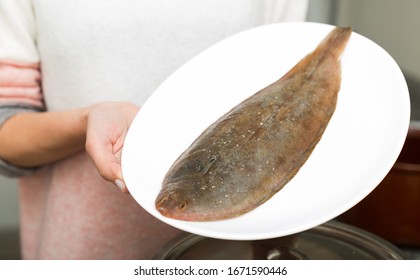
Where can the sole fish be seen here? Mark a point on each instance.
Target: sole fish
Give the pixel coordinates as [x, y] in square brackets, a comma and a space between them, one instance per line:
[251, 152]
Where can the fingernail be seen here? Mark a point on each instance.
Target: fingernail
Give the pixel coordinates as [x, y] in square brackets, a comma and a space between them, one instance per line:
[120, 184]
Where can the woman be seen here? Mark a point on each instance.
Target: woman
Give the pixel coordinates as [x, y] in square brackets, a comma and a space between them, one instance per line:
[72, 77]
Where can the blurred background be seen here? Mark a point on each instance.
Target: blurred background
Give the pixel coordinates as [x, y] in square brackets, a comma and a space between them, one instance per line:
[392, 211]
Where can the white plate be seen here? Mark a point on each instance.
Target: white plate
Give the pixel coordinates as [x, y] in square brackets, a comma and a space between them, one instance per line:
[357, 150]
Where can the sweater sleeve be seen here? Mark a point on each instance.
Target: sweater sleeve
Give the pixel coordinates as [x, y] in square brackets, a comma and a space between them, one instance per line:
[20, 76]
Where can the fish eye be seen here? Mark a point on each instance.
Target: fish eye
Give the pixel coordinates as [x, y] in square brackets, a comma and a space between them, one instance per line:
[182, 205]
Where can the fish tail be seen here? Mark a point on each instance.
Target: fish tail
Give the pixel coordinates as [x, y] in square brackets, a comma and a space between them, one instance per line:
[335, 42]
[332, 46]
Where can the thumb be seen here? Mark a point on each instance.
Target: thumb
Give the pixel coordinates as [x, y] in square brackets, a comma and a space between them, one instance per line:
[106, 161]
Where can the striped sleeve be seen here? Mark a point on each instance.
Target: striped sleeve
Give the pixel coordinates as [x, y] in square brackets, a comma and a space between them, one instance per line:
[20, 76]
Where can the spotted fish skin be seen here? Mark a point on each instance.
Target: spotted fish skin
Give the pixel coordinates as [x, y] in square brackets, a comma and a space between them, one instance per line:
[251, 152]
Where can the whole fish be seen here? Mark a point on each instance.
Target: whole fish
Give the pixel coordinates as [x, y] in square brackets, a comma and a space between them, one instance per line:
[251, 152]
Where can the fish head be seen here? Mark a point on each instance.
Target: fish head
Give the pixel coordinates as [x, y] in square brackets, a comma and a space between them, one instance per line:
[177, 202]
[171, 201]
[189, 199]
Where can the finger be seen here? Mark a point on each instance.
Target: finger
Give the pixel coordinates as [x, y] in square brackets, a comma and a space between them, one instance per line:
[101, 153]
[121, 185]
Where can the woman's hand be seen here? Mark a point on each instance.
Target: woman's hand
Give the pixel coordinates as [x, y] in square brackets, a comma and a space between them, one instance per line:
[107, 126]
[35, 139]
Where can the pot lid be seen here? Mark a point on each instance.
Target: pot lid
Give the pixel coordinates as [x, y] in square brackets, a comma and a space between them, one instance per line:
[332, 240]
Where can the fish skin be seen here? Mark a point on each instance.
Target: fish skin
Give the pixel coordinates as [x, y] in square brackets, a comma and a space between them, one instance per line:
[251, 152]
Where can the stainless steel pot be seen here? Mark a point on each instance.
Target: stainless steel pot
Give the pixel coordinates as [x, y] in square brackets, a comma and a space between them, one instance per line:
[330, 241]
